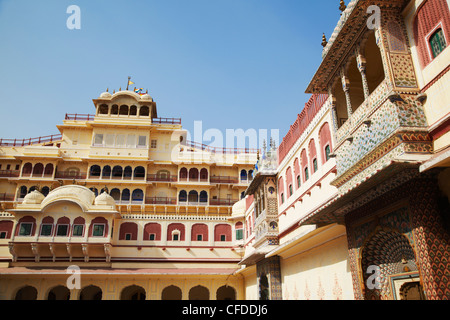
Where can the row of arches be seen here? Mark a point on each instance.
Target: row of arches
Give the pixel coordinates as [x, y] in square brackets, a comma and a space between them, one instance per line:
[306, 164]
[193, 174]
[63, 227]
[193, 197]
[37, 170]
[152, 231]
[123, 110]
[117, 172]
[132, 292]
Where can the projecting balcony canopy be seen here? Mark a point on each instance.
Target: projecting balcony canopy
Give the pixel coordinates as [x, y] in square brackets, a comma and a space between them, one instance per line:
[352, 23]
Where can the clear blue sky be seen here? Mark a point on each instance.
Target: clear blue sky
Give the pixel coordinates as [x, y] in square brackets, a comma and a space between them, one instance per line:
[229, 63]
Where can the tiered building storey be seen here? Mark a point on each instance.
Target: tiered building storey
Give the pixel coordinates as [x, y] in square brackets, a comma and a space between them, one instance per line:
[353, 204]
[122, 195]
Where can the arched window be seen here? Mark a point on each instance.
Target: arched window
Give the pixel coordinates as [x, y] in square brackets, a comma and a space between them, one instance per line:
[94, 171]
[281, 189]
[133, 111]
[193, 174]
[45, 191]
[313, 154]
[222, 233]
[123, 110]
[152, 232]
[46, 228]
[128, 231]
[139, 173]
[115, 109]
[115, 194]
[125, 195]
[289, 180]
[27, 168]
[48, 171]
[117, 172]
[78, 227]
[239, 229]
[325, 141]
[103, 109]
[250, 175]
[183, 174]
[38, 169]
[243, 175]
[182, 197]
[199, 293]
[23, 191]
[98, 227]
[304, 160]
[204, 175]
[127, 173]
[26, 226]
[106, 172]
[137, 196]
[193, 196]
[91, 293]
[144, 111]
[62, 227]
[199, 232]
[226, 293]
[175, 232]
[203, 197]
[171, 293]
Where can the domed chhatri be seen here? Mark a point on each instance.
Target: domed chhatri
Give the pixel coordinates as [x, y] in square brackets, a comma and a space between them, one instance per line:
[34, 197]
[105, 95]
[104, 199]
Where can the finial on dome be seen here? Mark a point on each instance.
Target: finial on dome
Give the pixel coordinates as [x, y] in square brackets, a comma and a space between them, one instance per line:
[342, 6]
[324, 41]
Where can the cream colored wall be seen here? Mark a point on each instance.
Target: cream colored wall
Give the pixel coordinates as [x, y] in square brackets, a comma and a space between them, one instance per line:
[112, 286]
[319, 273]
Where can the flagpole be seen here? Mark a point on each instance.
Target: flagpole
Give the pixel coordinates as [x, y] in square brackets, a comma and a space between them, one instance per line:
[128, 82]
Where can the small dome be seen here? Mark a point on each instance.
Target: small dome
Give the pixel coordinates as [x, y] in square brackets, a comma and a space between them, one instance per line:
[34, 197]
[104, 199]
[146, 97]
[105, 95]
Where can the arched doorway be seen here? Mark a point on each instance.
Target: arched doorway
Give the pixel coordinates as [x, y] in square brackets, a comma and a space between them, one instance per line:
[26, 293]
[171, 293]
[91, 293]
[226, 293]
[133, 293]
[59, 293]
[389, 253]
[199, 293]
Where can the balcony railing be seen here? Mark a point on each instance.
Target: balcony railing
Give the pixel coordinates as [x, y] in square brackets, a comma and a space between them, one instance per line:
[80, 117]
[222, 202]
[91, 117]
[207, 148]
[160, 200]
[68, 175]
[166, 120]
[6, 197]
[160, 178]
[224, 179]
[9, 173]
[29, 141]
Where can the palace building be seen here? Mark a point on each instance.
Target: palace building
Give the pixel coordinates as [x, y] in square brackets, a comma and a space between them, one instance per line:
[353, 204]
[144, 213]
